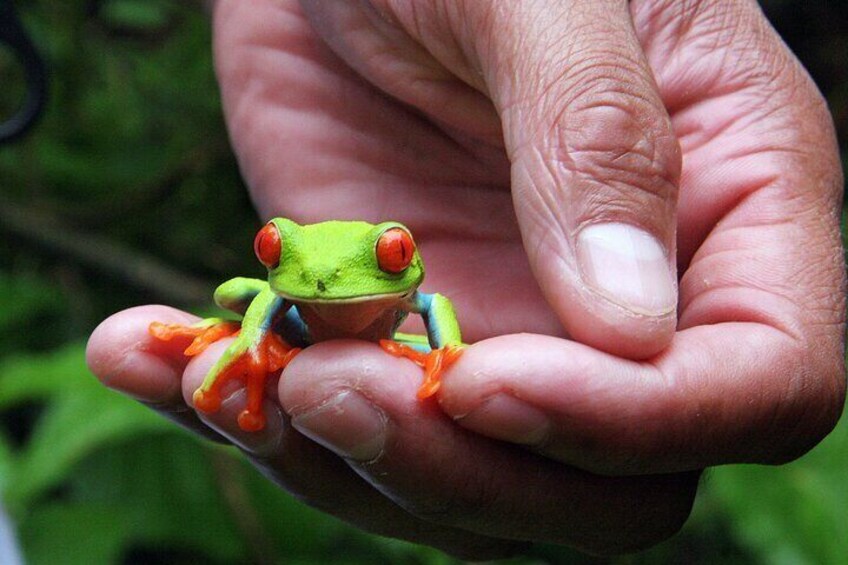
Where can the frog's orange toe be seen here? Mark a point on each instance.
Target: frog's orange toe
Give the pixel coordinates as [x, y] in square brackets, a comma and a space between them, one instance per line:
[210, 335]
[400, 350]
[206, 401]
[435, 363]
[251, 421]
[429, 387]
[252, 367]
[201, 336]
[438, 361]
[167, 332]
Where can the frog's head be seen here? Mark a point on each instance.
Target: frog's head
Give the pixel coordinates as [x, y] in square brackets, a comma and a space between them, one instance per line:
[339, 261]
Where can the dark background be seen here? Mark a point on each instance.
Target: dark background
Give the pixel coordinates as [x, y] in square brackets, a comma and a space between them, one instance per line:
[126, 193]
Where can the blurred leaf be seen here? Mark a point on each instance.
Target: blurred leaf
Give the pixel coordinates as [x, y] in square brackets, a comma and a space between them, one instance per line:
[792, 514]
[138, 14]
[72, 534]
[6, 462]
[81, 417]
[69, 430]
[36, 377]
[25, 300]
[165, 488]
[24, 297]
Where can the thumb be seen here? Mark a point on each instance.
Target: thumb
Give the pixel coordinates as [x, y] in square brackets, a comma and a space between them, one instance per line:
[595, 168]
[594, 161]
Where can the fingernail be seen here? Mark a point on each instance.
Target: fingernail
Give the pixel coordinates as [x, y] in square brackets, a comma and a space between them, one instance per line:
[347, 424]
[628, 266]
[505, 417]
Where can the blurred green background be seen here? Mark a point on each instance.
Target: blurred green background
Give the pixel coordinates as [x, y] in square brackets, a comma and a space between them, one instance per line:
[127, 193]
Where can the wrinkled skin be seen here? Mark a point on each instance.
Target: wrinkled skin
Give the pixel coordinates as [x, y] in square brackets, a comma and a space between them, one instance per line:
[505, 135]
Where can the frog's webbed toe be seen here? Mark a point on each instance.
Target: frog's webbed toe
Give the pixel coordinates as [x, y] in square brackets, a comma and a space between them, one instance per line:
[434, 363]
[203, 334]
[251, 366]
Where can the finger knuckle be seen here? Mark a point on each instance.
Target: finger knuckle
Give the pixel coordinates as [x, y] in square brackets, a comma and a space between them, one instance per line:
[607, 141]
[812, 399]
[616, 136]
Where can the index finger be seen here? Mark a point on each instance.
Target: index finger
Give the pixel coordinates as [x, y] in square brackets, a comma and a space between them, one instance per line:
[362, 406]
[125, 357]
[756, 372]
[716, 396]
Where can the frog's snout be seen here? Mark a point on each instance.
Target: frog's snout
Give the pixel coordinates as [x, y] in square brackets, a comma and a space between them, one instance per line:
[321, 286]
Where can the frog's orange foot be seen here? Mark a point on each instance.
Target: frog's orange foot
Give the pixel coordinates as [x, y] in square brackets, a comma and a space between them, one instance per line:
[201, 336]
[434, 363]
[252, 368]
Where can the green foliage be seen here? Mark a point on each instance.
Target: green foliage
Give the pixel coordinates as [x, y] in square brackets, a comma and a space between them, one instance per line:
[28, 300]
[131, 151]
[140, 15]
[795, 514]
[79, 417]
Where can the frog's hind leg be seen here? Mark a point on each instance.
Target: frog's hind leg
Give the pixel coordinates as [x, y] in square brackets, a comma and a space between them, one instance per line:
[247, 368]
[252, 367]
[277, 354]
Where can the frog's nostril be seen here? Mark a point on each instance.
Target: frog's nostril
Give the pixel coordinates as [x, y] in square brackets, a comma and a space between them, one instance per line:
[321, 286]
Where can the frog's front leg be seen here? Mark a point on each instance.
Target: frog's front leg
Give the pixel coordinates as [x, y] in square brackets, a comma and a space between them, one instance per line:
[234, 295]
[257, 352]
[444, 338]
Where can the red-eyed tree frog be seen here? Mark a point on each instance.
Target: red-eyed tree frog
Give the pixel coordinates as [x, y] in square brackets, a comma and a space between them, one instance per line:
[325, 281]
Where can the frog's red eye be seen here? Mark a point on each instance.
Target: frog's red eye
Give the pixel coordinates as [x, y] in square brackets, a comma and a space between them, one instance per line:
[395, 249]
[268, 246]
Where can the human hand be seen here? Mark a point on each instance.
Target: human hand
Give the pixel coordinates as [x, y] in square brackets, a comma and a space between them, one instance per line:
[535, 151]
